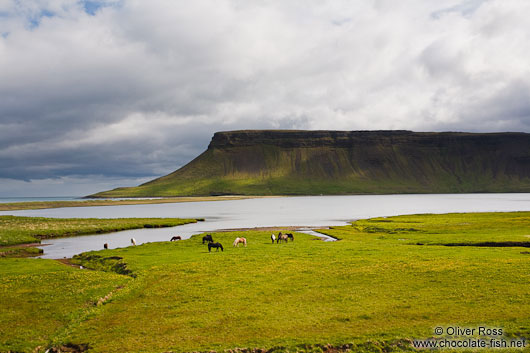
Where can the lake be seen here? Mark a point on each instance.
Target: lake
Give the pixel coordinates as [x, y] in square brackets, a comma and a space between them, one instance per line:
[304, 211]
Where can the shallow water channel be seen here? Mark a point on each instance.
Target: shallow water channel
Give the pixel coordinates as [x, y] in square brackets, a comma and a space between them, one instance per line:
[305, 212]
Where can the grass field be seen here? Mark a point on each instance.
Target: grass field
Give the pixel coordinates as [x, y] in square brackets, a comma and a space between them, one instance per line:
[20, 230]
[374, 290]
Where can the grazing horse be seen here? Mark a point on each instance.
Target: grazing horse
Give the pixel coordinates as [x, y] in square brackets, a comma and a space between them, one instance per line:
[290, 236]
[215, 245]
[282, 237]
[133, 241]
[176, 237]
[240, 240]
[208, 238]
[273, 237]
[105, 246]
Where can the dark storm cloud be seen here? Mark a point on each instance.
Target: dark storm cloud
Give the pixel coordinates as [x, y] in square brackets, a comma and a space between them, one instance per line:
[134, 89]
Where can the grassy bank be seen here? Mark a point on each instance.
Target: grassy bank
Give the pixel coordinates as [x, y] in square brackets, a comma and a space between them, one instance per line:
[20, 230]
[36, 205]
[375, 289]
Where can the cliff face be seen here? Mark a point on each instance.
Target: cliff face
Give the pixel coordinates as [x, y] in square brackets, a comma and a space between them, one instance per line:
[275, 162]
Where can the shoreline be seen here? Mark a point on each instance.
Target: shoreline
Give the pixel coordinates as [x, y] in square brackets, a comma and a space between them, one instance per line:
[38, 205]
[310, 230]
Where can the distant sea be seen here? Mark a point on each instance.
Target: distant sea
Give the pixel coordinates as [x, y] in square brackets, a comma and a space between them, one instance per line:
[67, 198]
[28, 199]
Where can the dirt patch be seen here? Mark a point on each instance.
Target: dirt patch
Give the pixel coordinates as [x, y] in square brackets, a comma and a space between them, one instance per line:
[104, 299]
[67, 262]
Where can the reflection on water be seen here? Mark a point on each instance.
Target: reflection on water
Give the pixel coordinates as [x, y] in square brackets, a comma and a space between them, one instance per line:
[305, 211]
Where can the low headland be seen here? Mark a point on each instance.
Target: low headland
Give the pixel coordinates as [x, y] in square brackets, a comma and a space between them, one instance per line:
[36, 205]
[291, 162]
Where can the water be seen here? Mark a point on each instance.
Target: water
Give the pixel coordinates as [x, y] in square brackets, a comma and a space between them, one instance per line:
[29, 199]
[66, 198]
[303, 212]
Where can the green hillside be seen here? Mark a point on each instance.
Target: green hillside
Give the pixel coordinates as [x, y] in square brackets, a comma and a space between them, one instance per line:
[274, 162]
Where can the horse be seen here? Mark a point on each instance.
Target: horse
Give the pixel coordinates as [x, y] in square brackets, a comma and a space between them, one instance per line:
[240, 240]
[214, 245]
[273, 237]
[282, 237]
[105, 246]
[176, 237]
[208, 238]
[290, 236]
[133, 241]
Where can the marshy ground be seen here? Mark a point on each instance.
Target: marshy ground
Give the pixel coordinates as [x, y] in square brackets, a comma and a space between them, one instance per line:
[375, 289]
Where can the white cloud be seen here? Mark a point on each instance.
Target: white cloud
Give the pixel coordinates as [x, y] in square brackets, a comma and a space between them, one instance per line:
[157, 78]
[71, 186]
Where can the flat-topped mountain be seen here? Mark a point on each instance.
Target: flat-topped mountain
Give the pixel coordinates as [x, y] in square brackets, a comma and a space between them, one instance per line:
[292, 162]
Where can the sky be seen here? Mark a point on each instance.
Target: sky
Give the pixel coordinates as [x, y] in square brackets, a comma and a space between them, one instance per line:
[100, 94]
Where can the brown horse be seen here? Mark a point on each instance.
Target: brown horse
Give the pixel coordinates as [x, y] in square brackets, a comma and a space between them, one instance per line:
[282, 237]
[240, 240]
[176, 237]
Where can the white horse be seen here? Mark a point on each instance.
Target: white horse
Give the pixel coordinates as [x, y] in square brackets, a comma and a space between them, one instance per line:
[240, 240]
[133, 241]
[273, 237]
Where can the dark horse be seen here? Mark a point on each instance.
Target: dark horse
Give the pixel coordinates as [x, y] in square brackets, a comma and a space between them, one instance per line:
[208, 238]
[176, 237]
[290, 236]
[215, 245]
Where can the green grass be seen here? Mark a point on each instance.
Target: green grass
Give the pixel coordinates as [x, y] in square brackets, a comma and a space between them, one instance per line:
[374, 289]
[432, 229]
[19, 251]
[19, 230]
[43, 299]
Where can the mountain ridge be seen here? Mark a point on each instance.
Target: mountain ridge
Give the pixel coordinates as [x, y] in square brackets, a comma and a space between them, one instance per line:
[313, 162]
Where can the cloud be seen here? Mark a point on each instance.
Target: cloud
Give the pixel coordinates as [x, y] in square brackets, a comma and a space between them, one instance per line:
[71, 186]
[135, 89]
